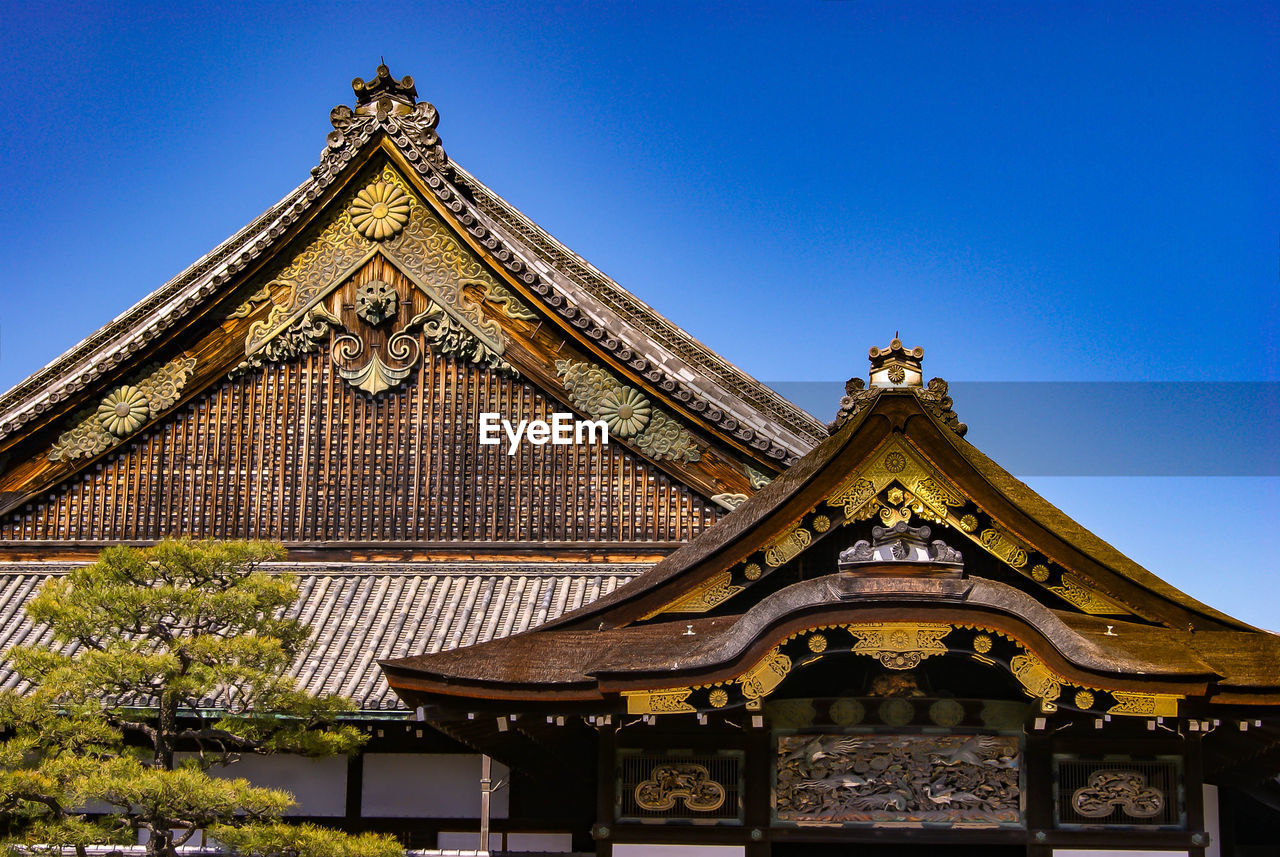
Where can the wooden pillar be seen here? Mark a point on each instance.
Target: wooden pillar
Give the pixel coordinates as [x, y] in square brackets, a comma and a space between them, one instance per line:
[606, 788]
[758, 781]
[1039, 768]
[1227, 798]
[1193, 778]
[355, 792]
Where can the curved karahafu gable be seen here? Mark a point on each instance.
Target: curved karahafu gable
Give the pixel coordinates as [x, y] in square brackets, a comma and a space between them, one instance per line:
[896, 455]
[893, 539]
[389, 249]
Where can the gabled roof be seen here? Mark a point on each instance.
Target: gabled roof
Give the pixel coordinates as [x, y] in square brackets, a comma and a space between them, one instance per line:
[638, 344]
[1006, 576]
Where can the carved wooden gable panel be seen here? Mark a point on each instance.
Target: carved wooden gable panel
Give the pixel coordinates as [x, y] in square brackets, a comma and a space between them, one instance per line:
[293, 450]
[339, 398]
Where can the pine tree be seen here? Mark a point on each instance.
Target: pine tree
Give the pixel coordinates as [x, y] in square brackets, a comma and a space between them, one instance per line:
[181, 648]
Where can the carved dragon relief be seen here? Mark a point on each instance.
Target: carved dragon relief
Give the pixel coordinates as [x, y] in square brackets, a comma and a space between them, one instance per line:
[376, 345]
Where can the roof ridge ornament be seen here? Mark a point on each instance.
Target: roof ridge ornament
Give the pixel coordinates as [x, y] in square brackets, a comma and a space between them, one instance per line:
[384, 92]
[897, 368]
[902, 544]
[382, 103]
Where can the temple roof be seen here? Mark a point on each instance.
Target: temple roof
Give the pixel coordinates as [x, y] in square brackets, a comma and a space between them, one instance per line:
[545, 279]
[361, 612]
[959, 547]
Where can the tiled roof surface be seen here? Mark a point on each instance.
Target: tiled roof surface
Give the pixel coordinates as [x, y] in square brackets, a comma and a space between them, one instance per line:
[365, 612]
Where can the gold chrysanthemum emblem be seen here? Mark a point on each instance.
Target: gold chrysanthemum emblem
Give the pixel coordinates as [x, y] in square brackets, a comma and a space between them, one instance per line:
[626, 411]
[124, 410]
[718, 698]
[982, 644]
[380, 211]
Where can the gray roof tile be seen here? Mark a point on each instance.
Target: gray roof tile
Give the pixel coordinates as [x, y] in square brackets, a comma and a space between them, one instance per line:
[364, 612]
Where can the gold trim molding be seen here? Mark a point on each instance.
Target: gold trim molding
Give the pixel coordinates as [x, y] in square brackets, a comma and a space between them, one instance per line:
[900, 646]
[932, 496]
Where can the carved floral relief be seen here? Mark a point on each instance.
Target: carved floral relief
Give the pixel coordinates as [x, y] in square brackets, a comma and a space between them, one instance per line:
[378, 343]
[124, 410]
[627, 412]
[380, 210]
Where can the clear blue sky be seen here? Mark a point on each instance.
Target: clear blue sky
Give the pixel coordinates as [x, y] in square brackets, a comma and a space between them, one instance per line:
[1033, 192]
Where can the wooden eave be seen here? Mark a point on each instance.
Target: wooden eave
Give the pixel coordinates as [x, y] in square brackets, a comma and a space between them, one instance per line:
[1172, 651]
[556, 666]
[34, 411]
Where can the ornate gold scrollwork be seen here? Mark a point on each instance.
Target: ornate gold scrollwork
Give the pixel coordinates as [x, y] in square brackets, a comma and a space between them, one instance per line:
[712, 593]
[684, 781]
[1144, 704]
[928, 494]
[788, 547]
[937, 495]
[1090, 602]
[764, 677]
[853, 495]
[671, 700]
[1004, 546]
[387, 218]
[1031, 672]
[899, 645]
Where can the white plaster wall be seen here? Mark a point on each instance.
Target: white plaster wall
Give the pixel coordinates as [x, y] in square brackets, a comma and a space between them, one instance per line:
[427, 785]
[559, 843]
[632, 850]
[318, 785]
[461, 841]
[1211, 824]
[552, 843]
